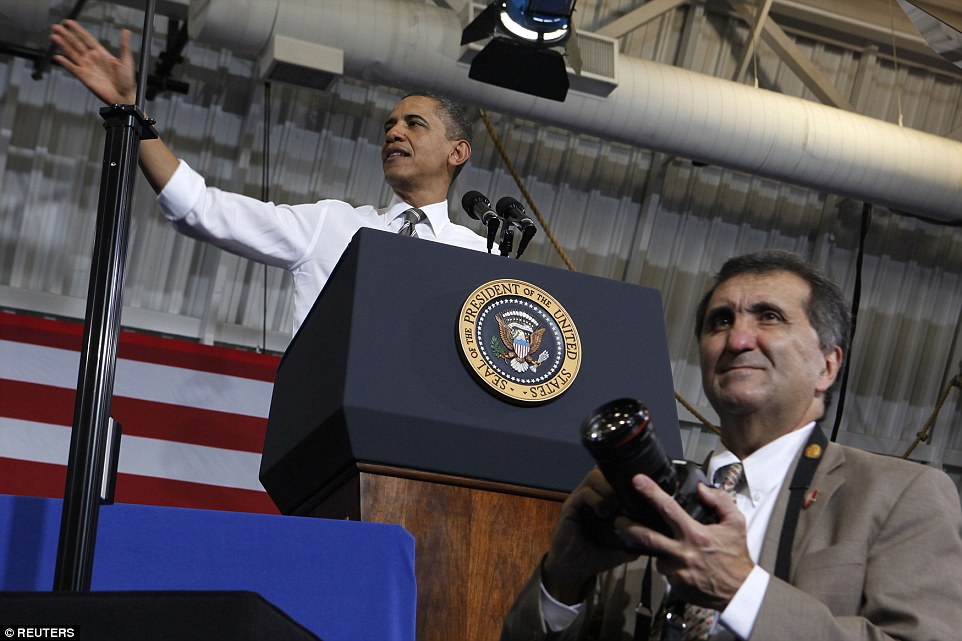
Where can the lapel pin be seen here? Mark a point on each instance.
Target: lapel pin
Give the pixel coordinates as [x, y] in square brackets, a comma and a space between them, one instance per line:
[810, 497]
[813, 451]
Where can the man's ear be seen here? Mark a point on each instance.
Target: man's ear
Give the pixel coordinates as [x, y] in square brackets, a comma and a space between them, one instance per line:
[460, 153]
[833, 365]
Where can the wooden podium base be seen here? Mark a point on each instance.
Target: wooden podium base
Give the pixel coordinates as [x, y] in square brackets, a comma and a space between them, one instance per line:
[476, 542]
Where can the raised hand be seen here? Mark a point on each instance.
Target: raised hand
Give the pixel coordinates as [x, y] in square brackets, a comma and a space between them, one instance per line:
[110, 78]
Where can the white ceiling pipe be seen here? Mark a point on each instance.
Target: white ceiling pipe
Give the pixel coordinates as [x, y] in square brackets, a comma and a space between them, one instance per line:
[655, 106]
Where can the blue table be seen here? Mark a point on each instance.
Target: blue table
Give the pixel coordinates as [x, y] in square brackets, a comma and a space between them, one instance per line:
[342, 580]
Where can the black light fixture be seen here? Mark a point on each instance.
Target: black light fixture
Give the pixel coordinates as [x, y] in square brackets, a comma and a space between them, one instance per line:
[523, 52]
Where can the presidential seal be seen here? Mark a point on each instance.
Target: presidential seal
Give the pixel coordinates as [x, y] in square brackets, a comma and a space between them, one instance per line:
[519, 341]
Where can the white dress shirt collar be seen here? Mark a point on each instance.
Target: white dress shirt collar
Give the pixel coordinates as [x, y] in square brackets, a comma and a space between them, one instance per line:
[436, 214]
[765, 469]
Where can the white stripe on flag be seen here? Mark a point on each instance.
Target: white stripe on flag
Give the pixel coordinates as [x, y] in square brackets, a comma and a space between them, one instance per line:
[37, 442]
[135, 379]
[43, 443]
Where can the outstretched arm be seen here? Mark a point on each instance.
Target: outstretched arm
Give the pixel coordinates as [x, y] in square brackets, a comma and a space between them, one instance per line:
[113, 80]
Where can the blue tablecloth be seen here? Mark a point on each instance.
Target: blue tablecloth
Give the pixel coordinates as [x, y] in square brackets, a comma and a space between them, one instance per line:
[342, 580]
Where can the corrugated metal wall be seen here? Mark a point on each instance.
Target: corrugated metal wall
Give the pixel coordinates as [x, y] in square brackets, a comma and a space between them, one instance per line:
[619, 212]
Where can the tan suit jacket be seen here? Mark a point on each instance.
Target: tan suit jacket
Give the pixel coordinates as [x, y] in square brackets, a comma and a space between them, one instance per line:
[878, 555]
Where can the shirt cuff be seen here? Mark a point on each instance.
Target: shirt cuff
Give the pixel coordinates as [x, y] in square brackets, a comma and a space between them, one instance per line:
[739, 617]
[179, 195]
[557, 616]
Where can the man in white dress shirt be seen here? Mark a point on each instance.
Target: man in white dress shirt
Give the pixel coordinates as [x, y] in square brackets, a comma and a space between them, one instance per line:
[427, 140]
[872, 550]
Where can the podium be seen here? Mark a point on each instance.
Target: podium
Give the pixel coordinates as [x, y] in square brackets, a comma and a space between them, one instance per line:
[379, 414]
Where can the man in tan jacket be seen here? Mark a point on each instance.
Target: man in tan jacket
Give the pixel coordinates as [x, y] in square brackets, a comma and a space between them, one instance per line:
[876, 552]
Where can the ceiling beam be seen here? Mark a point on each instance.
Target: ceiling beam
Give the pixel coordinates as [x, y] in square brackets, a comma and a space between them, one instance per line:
[857, 25]
[941, 10]
[795, 59]
[771, 33]
[638, 17]
[760, 18]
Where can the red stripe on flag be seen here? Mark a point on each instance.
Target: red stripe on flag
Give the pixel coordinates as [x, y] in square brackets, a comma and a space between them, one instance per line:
[28, 478]
[144, 348]
[150, 490]
[190, 425]
[40, 331]
[38, 403]
[55, 406]
[203, 358]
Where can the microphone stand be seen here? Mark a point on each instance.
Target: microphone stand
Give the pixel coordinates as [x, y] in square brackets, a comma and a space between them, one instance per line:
[507, 238]
[126, 126]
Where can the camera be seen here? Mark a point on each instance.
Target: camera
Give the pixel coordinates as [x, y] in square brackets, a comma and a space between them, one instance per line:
[620, 437]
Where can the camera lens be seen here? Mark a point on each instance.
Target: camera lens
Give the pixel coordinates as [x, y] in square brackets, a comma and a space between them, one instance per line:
[619, 436]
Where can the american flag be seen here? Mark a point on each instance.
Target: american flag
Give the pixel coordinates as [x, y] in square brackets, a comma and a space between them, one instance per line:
[193, 416]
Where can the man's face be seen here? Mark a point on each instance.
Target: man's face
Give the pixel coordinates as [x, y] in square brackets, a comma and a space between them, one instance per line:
[416, 150]
[760, 353]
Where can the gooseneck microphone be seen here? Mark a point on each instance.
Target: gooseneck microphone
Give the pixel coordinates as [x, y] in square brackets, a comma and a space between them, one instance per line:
[478, 207]
[511, 210]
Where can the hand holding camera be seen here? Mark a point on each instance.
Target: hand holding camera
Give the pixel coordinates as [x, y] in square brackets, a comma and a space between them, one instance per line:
[620, 437]
[586, 539]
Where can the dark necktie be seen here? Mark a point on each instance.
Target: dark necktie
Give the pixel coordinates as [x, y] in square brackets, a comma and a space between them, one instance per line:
[411, 218]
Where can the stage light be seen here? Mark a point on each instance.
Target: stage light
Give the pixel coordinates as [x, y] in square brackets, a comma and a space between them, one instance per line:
[537, 21]
[521, 55]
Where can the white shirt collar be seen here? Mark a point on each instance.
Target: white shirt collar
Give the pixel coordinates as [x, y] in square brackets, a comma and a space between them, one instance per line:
[765, 468]
[437, 214]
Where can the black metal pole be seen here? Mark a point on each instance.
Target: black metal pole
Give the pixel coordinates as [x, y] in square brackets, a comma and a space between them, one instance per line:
[126, 126]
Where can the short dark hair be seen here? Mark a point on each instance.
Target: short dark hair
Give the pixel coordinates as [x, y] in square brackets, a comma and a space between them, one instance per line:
[826, 308]
[457, 123]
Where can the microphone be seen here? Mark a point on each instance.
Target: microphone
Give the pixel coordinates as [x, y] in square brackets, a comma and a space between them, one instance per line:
[511, 209]
[527, 233]
[479, 207]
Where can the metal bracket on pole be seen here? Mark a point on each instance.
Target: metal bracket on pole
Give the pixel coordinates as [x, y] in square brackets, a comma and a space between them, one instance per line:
[108, 480]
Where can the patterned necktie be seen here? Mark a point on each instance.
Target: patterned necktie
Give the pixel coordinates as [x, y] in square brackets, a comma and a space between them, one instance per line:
[411, 218]
[698, 620]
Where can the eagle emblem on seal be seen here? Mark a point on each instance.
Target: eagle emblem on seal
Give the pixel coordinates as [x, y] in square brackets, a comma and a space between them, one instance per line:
[521, 343]
[518, 341]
